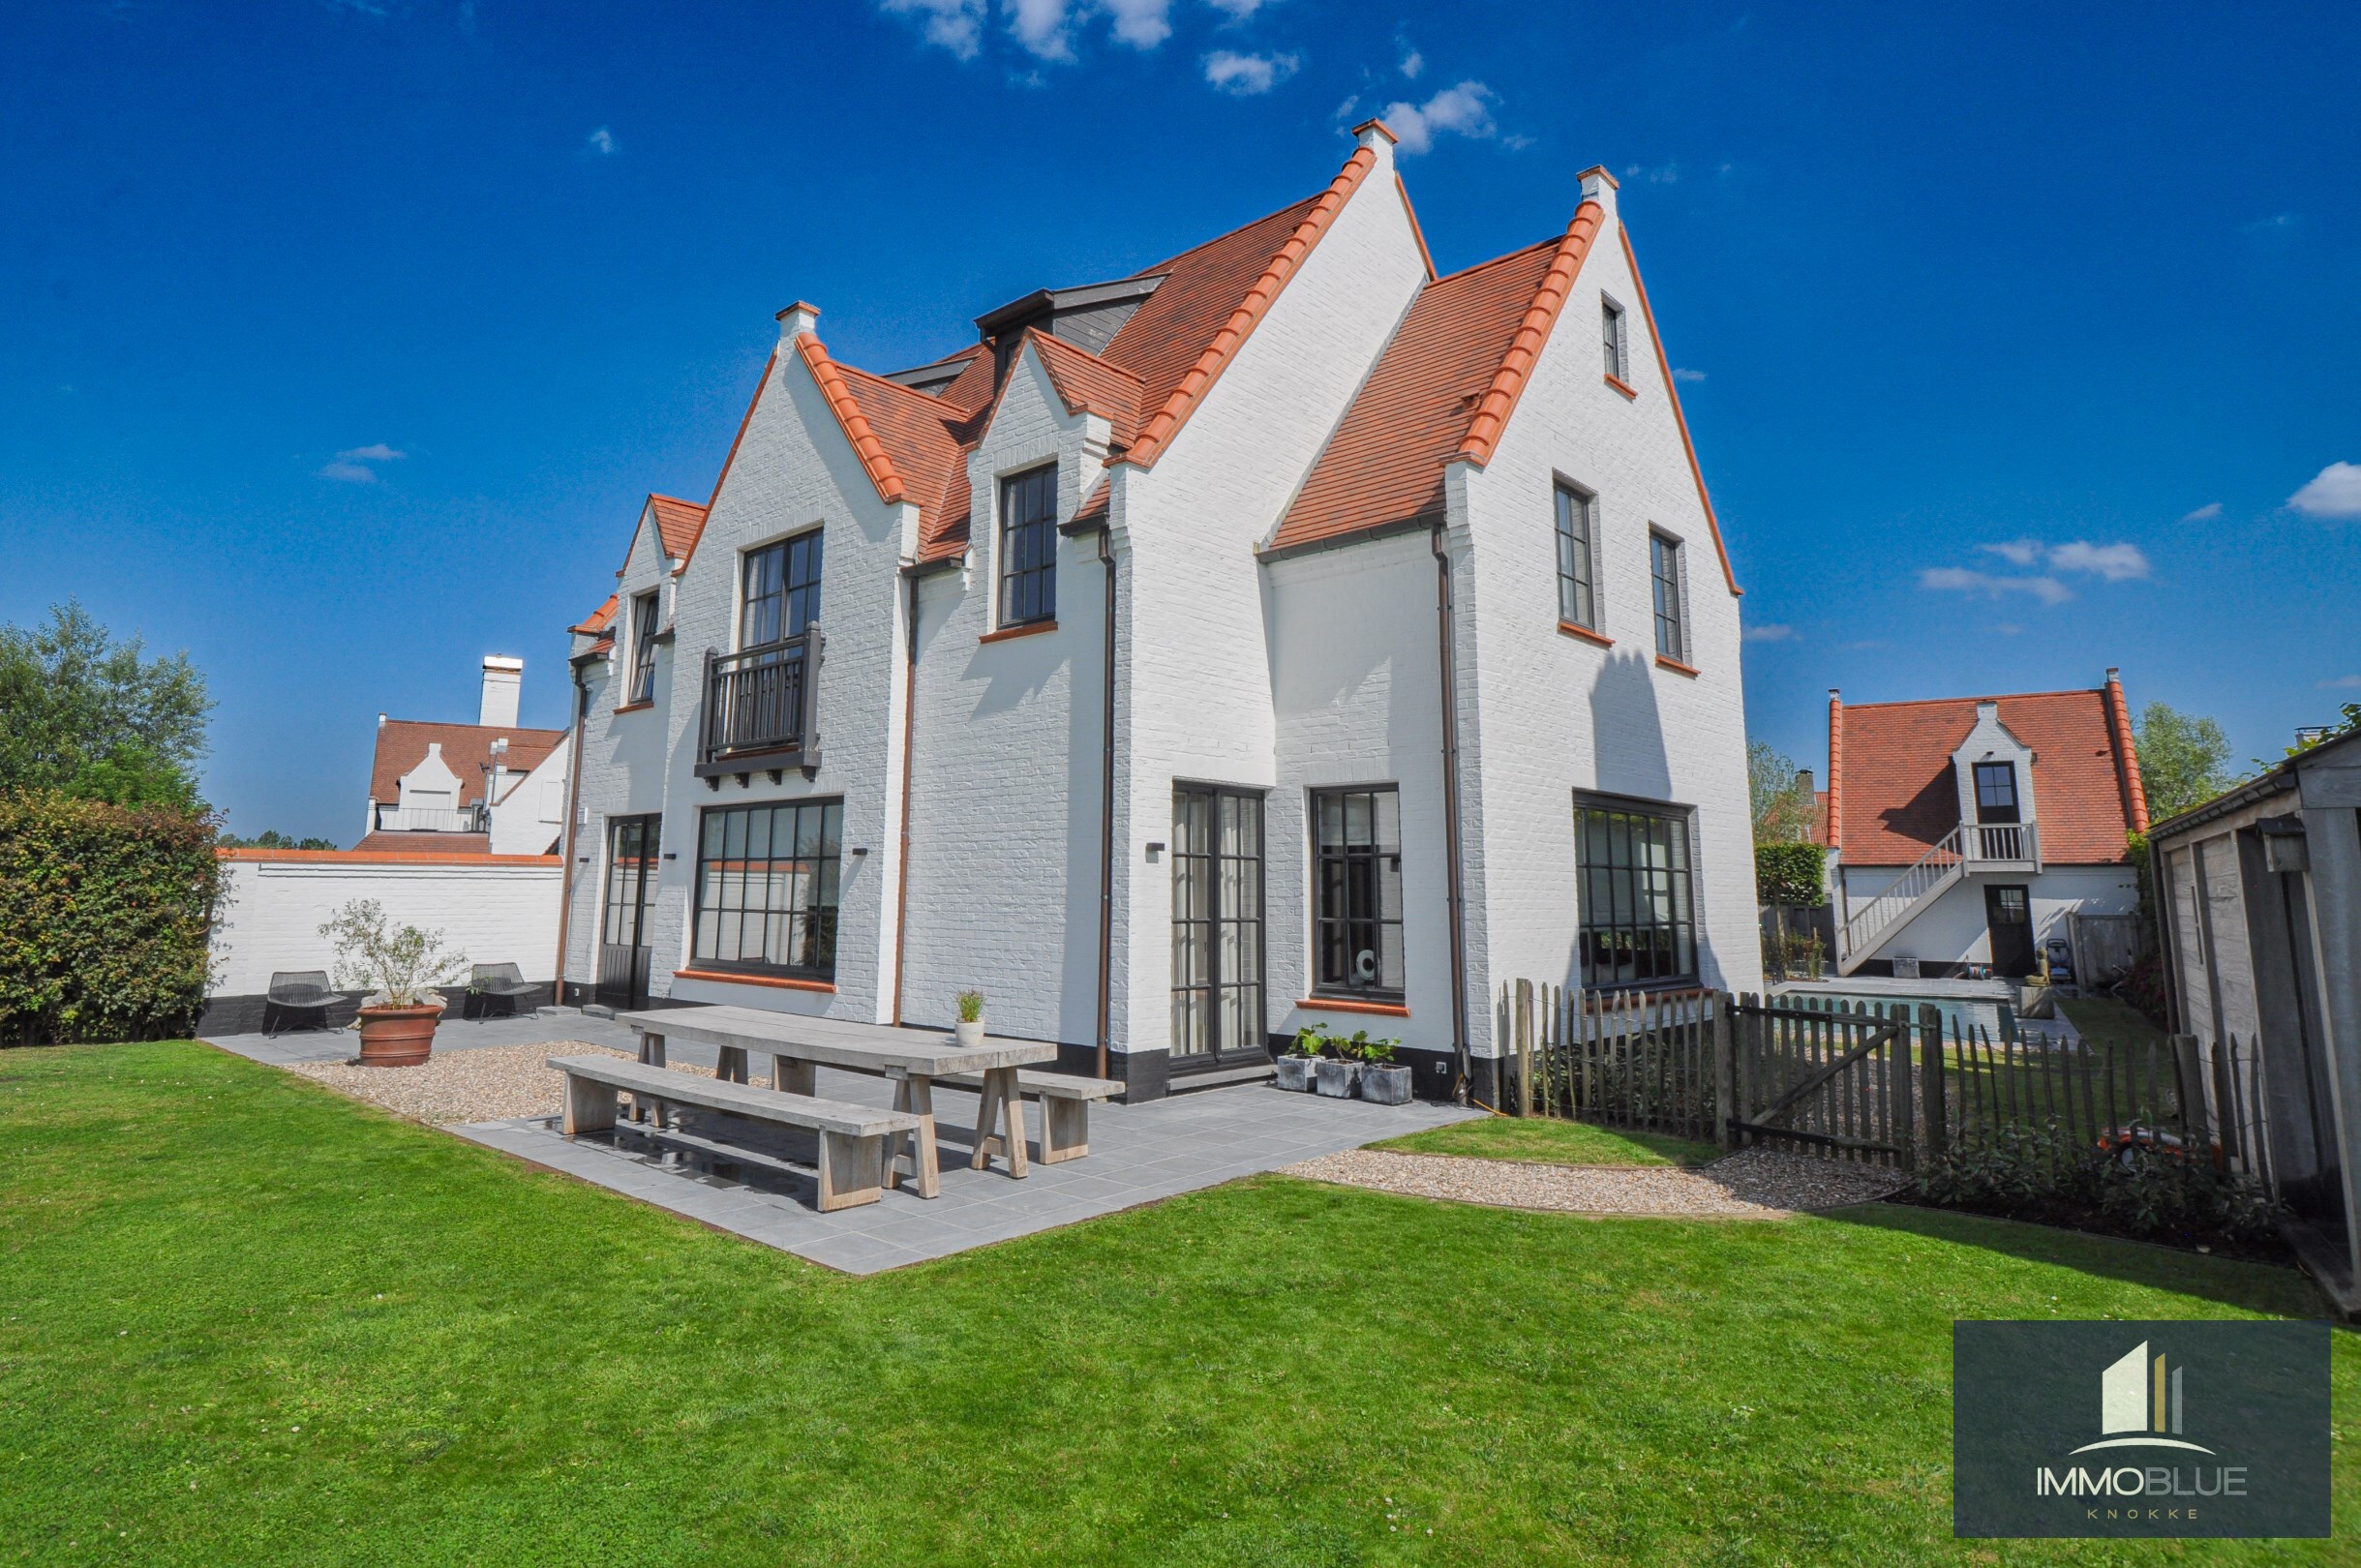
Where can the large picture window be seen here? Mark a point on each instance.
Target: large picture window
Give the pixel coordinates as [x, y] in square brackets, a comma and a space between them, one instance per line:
[767, 888]
[1577, 530]
[643, 649]
[1638, 925]
[782, 590]
[1357, 891]
[1028, 548]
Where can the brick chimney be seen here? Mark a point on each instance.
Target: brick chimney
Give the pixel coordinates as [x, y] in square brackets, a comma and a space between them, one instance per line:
[503, 680]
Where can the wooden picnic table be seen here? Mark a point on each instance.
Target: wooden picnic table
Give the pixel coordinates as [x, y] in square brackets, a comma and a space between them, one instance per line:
[912, 1058]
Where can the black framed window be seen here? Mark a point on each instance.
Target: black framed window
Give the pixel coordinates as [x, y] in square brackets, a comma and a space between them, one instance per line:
[766, 884]
[1217, 921]
[1611, 334]
[1664, 569]
[643, 649]
[1996, 791]
[1028, 547]
[782, 590]
[1577, 537]
[1356, 878]
[1639, 923]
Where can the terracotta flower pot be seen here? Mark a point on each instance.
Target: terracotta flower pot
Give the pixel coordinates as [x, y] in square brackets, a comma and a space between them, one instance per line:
[398, 1037]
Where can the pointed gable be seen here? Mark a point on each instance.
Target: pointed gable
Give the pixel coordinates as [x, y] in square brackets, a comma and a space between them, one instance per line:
[1088, 384]
[680, 523]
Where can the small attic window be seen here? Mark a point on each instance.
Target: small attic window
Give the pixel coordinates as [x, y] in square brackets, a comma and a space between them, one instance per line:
[1611, 337]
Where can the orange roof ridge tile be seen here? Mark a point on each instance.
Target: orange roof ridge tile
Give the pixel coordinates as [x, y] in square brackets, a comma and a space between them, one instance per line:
[1672, 395]
[596, 620]
[1168, 421]
[855, 424]
[1500, 401]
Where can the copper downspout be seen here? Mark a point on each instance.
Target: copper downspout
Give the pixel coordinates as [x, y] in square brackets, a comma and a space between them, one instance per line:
[1456, 895]
[573, 804]
[901, 897]
[1106, 816]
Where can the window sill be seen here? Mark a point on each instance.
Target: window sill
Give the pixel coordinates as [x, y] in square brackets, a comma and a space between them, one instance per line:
[1331, 1004]
[780, 981]
[1567, 628]
[634, 707]
[1031, 628]
[1677, 668]
[1625, 387]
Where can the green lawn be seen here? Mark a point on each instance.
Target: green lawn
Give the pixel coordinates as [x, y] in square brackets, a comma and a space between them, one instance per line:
[245, 1322]
[1551, 1143]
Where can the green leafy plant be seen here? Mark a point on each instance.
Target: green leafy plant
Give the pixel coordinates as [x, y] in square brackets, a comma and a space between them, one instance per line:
[970, 1007]
[2145, 1188]
[1310, 1040]
[1376, 1052]
[399, 966]
[1790, 874]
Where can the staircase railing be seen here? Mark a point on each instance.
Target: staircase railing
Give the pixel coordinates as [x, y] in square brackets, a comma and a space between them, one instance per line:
[1934, 869]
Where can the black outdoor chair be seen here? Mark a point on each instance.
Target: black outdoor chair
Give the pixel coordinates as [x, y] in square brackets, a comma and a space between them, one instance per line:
[299, 990]
[501, 981]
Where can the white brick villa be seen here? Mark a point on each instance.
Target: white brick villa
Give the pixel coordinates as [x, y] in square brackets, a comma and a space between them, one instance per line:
[1280, 634]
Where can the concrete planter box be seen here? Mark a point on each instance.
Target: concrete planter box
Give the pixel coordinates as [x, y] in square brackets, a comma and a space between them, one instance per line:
[1294, 1072]
[1336, 1079]
[969, 1035]
[1385, 1085]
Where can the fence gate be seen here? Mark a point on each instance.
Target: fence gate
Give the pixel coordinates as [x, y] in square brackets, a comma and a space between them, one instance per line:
[1813, 1077]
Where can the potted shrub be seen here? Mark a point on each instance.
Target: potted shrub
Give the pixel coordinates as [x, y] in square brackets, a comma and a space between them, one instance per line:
[970, 1028]
[1295, 1067]
[398, 967]
[1339, 1065]
[1383, 1081]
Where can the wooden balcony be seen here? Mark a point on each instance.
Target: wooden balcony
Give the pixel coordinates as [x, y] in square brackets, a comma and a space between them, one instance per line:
[761, 709]
[2000, 847]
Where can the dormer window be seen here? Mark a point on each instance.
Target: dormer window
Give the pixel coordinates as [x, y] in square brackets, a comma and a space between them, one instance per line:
[1611, 332]
[1996, 791]
[1028, 548]
[643, 649]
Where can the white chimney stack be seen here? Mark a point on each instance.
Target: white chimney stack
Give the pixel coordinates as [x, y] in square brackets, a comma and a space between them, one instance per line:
[503, 678]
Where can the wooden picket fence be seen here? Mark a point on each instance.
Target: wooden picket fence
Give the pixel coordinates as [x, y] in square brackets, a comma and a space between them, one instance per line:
[1638, 1060]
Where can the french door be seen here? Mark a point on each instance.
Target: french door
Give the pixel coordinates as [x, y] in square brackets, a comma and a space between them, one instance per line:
[632, 845]
[1217, 927]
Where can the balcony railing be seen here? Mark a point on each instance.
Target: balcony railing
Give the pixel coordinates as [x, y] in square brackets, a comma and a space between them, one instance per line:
[2003, 841]
[762, 708]
[428, 820]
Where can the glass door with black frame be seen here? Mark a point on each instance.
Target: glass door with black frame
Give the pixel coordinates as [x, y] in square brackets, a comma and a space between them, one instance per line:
[1217, 929]
[632, 859]
[2009, 915]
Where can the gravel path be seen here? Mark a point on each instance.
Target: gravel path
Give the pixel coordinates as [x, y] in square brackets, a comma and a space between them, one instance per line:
[488, 1085]
[1754, 1184]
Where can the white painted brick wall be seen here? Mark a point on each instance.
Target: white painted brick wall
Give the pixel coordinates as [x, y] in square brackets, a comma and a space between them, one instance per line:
[270, 919]
[1955, 929]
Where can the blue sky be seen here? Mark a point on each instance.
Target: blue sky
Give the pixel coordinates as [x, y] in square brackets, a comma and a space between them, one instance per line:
[342, 340]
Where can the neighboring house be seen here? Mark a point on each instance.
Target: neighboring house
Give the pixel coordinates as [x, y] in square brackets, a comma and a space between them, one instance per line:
[2258, 898]
[1961, 832]
[487, 788]
[1280, 635]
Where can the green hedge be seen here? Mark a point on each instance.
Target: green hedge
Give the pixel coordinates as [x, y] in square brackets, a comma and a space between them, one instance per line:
[1790, 874]
[104, 936]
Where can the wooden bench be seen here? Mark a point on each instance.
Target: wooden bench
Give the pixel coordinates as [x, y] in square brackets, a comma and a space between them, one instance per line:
[1066, 1099]
[852, 1137]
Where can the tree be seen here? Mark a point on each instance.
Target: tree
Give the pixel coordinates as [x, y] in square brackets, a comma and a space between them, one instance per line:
[2182, 760]
[1785, 811]
[271, 838]
[91, 717]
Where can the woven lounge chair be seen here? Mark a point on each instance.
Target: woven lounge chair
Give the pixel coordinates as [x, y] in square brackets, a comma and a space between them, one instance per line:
[299, 990]
[501, 981]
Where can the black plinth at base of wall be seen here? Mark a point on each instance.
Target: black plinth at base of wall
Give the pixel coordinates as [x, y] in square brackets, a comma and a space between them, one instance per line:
[259, 1014]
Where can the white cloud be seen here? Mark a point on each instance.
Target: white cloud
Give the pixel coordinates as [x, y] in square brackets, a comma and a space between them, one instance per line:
[1661, 174]
[2203, 514]
[2016, 552]
[2335, 492]
[2008, 628]
[351, 465]
[1040, 25]
[1240, 10]
[1770, 632]
[374, 452]
[1142, 23]
[1465, 109]
[1961, 580]
[600, 141]
[2115, 563]
[352, 473]
[1689, 375]
[957, 25]
[1243, 75]
[2277, 222]
[2341, 684]
[1413, 63]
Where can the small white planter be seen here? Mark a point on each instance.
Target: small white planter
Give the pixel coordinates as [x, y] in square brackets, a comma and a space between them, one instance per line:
[1294, 1072]
[1335, 1079]
[970, 1035]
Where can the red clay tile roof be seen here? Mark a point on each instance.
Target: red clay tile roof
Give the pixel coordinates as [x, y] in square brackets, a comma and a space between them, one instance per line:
[1895, 789]
[1095, 505]
[597, 620]
[873, 452]
[428, 843]
[1385, 462]
[1088, 383]
[1181, 335]
[1499, 399]
[680, 523]
[466, 750]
